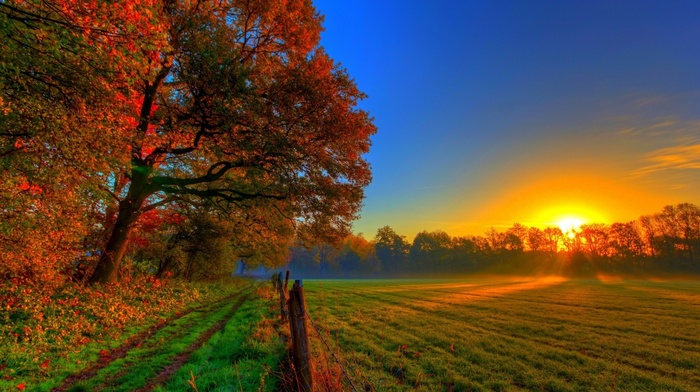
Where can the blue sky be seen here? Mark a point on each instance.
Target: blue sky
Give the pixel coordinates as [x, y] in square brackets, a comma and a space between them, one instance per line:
[495, 112]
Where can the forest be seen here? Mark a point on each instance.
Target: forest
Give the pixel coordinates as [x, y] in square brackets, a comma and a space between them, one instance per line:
[665, 243]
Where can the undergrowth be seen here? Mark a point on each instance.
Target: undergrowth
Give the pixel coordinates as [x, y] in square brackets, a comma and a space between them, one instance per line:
[48, 333]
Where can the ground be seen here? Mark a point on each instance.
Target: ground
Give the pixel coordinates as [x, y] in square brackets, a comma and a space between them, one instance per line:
[521, 334]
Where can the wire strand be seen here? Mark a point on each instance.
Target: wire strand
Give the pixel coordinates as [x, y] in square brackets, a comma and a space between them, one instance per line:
[342, 368]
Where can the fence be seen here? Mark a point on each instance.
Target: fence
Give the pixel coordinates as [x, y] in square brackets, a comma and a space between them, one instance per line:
[293, 309]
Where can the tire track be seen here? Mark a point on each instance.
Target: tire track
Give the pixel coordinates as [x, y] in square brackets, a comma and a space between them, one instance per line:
[136, 341]
[184, 356]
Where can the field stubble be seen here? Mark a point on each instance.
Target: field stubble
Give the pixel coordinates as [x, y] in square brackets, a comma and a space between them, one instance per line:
[547, 334]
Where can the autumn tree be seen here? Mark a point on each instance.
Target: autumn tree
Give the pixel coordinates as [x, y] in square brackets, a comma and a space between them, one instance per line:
[552, 237]
[357, 256]
[226, 104]
[625, 240]
[61, 101]
[594, 238]
[536, 239]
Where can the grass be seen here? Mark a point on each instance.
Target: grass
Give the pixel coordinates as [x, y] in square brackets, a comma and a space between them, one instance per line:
[243, 356]
[530, 334]
[48, 335]
[145, 362]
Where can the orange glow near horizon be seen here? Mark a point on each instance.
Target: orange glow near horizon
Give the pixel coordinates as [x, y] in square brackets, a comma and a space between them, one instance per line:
[569, 224]
[565, 201]
[536, 198]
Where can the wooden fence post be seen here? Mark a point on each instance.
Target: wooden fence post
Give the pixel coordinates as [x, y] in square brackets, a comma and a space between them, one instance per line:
[300, 339]
[286, 280]
[283, 297]
[274, 278]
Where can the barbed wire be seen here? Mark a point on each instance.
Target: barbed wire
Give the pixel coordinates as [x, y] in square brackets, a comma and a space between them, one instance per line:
[342, 368]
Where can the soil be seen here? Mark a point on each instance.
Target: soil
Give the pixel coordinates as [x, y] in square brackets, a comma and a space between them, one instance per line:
[184, 356]
[140, 338]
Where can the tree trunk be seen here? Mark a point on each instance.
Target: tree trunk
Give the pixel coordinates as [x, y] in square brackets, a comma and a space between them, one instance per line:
[139, 190]
[111, 257]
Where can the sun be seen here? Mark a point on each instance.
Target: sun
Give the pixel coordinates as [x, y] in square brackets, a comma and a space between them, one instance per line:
[569, 224]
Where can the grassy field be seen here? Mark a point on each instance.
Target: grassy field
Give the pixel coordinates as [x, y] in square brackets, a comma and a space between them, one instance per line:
[228, 340]
[229, 345]
[546, 334]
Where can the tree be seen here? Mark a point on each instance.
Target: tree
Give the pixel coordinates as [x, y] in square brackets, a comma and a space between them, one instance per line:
[430, 250]
[62, 84]
[552, 236]
[625, 240]
[594, 238]
[648, 229]
[515, 237]
[392, 249]
[225, 104]
[496, 240]
[356, 256]
[536, 239]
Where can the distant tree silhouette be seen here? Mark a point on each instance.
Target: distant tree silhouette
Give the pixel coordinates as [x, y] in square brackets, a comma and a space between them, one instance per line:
[516, 237]
[391, 250]
[667, 241]
[536, 239]
[430, 251]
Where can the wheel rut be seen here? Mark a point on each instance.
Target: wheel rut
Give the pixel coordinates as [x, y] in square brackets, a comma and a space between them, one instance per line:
[143, 338]
[184, 356]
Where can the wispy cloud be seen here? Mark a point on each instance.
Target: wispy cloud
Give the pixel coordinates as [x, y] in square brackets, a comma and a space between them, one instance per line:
[645, 102]
[660, 128]
[680, 157]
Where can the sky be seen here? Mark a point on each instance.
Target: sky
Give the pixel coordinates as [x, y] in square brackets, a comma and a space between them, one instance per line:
[496, 112]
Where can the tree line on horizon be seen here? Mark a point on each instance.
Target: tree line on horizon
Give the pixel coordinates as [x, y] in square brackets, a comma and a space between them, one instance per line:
[664, 242]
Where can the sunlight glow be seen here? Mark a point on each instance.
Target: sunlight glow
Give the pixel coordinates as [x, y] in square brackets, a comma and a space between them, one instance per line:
[569, 224]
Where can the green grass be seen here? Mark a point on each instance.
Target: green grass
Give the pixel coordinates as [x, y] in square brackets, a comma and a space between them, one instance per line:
[243, 356]
[67, 327]
[547, 334]
[145, 362]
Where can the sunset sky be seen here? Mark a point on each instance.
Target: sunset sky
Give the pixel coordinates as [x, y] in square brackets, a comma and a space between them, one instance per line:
[496, 112]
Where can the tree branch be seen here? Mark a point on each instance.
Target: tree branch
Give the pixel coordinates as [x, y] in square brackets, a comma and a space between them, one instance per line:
[114, 195]
[163, 202]
[215, 172]
[229, 195]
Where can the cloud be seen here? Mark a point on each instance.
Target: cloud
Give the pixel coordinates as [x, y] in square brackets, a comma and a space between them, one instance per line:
[680, 157]
[644, 102]
[660, 128]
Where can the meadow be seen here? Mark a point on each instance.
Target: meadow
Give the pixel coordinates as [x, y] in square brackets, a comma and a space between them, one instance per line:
[549, 334]
[171, 336]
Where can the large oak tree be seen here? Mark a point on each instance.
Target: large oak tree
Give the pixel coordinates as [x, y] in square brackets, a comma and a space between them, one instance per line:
[222, 104]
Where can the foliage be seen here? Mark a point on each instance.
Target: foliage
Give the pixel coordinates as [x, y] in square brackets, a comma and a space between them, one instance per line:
[47, 334]
[114, 110]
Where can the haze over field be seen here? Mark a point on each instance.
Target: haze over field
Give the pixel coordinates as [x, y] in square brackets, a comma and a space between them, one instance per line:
[492, 113]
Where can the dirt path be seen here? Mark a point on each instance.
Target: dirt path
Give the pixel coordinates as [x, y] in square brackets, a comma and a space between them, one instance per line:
[184, 356]
[139, 339]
